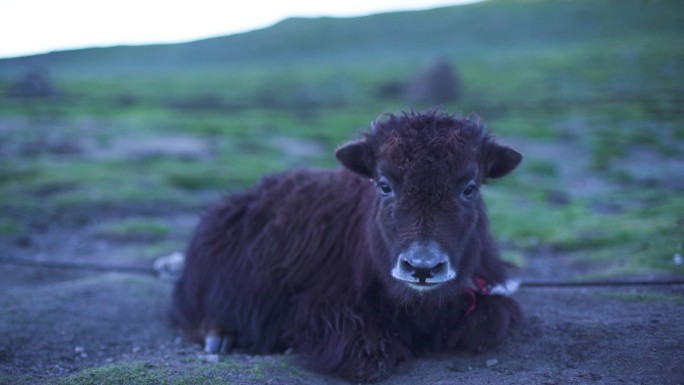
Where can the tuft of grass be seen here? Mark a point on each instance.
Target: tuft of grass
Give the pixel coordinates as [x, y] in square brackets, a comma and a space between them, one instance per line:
[115, 374]
[140, 373]
[8, 226]
[514, 257]
[541, 168]
[135, 228]
[193, 372]
[193, 181]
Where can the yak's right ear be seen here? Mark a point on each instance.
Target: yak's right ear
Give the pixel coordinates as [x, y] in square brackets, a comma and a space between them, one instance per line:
[357, 157]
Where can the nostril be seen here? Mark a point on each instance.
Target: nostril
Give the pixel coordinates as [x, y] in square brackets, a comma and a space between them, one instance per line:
[414, 271]
[439, 268]
[406, 265]
[423, 263]
[420, 271]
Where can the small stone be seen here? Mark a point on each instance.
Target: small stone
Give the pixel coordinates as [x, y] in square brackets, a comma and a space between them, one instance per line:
[678, 259]
[136, 349]
[492, 362]
[79, 349]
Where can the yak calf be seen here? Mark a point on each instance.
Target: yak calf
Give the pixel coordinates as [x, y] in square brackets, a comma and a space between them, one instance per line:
[360, 268]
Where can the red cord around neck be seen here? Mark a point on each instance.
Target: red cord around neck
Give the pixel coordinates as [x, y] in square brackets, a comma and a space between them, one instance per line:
[481, 287]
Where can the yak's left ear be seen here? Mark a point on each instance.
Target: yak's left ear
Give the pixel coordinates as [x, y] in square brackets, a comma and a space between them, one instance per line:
[500, 160]
[357, 157]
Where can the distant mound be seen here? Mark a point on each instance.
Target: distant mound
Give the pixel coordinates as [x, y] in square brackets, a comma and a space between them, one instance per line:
[436, 84]
[32, 85]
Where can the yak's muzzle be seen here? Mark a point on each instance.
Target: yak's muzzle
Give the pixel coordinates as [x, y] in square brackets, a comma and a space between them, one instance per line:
[423, 266]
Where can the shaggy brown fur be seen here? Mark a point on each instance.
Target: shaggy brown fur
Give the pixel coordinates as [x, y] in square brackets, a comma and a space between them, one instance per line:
[360, 268]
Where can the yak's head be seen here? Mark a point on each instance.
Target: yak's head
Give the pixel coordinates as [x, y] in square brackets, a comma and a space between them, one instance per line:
[430, 219]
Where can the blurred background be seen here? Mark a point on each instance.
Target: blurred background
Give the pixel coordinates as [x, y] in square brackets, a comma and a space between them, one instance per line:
[109, 154]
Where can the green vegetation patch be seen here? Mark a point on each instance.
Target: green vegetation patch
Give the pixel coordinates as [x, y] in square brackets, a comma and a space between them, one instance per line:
[135, 228]
[230, 371]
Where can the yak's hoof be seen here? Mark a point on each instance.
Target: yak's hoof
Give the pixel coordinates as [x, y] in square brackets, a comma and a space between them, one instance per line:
[215, 343]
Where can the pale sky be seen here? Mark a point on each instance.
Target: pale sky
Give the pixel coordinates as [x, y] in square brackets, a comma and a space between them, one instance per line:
[37, 26]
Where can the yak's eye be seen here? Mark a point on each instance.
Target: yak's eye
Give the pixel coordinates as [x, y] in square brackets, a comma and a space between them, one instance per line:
[385, 188]
[470, 191]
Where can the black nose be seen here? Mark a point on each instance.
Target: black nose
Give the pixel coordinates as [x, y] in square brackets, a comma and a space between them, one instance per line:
[423, 264]
[422, 269]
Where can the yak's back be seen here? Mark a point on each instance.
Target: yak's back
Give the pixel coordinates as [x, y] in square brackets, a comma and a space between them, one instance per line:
[288, 229]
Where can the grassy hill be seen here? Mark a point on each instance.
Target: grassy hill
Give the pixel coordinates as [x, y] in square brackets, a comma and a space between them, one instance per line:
[478, 29]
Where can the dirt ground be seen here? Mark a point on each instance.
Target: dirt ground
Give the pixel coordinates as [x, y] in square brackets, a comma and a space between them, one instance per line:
[57, 325]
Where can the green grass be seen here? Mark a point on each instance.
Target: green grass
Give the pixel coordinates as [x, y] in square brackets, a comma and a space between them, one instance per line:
[226, 371]
[8, 227]
[147, 374]
[135, 228]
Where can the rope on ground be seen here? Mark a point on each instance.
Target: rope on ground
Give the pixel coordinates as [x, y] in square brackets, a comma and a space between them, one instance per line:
[531, 284]
[78, 266]
[600, 283]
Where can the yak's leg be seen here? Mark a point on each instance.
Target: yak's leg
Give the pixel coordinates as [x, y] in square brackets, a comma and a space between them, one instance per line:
[487, 325]
[372, 357]
[217, 342]
[354, 349]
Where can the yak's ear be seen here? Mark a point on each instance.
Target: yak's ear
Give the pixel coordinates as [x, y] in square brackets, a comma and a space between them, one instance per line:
[357, 157]
[501, 160]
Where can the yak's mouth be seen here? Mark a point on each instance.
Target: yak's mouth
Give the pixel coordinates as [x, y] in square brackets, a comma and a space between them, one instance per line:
[423, 284]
